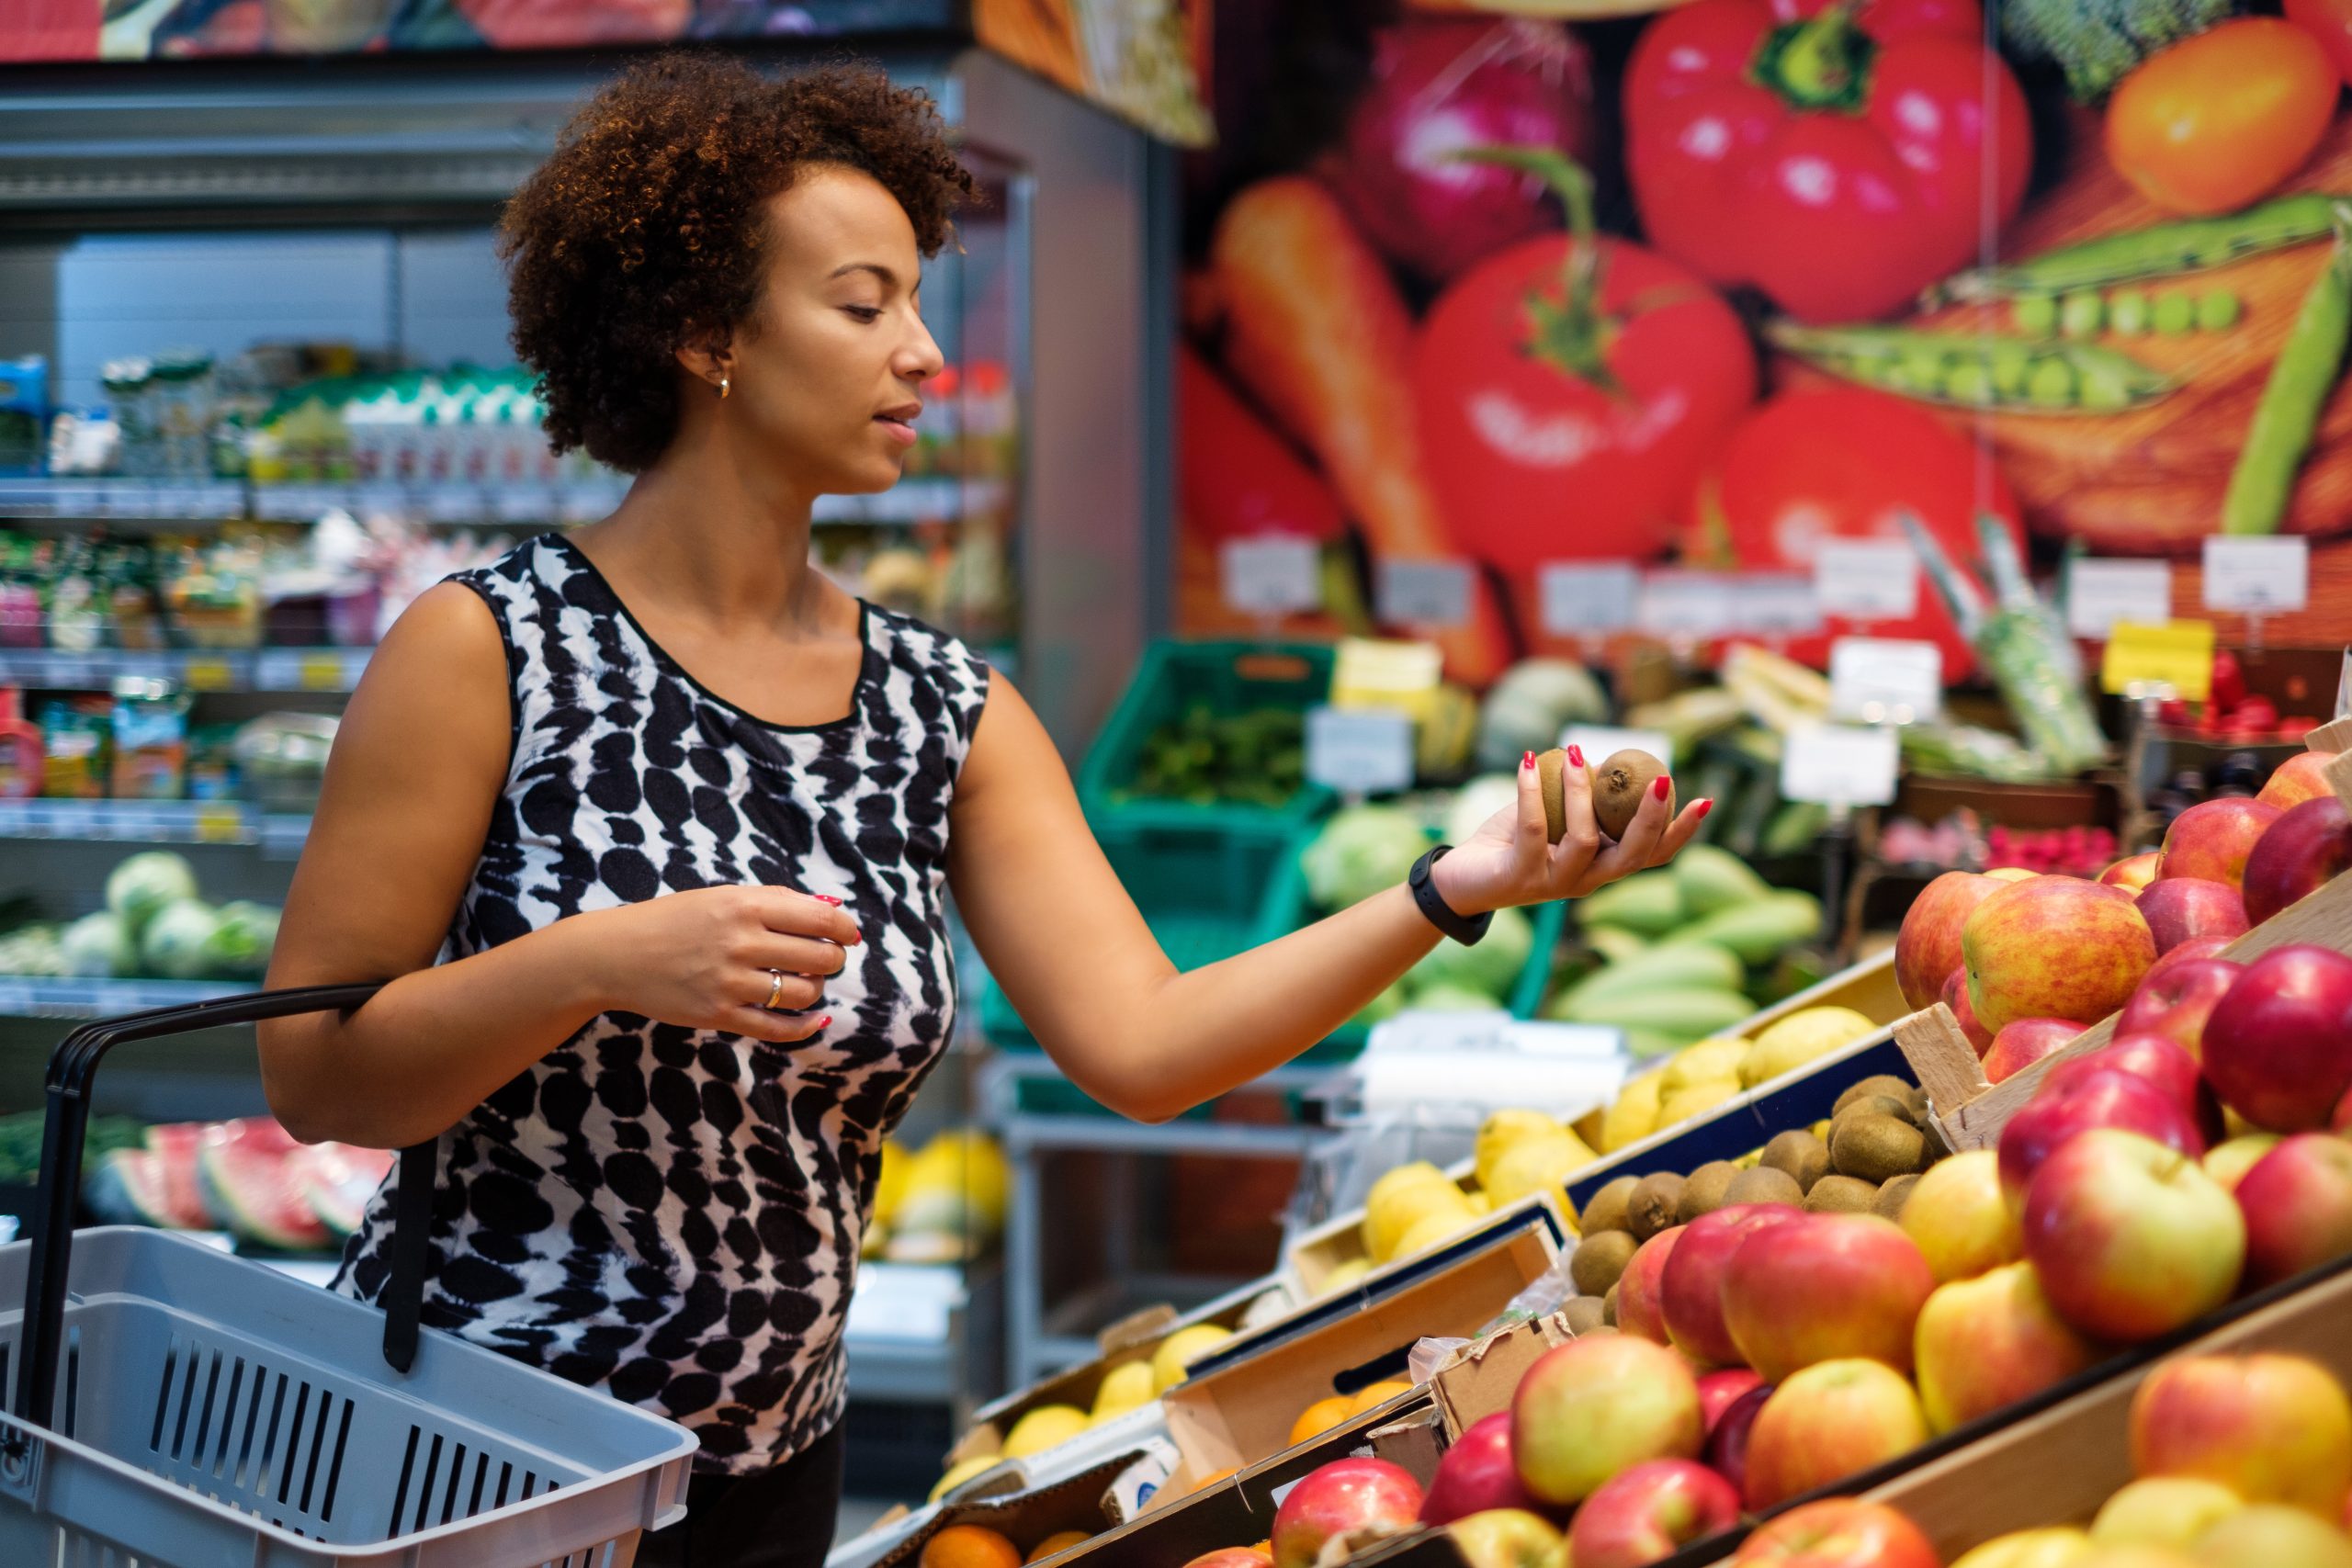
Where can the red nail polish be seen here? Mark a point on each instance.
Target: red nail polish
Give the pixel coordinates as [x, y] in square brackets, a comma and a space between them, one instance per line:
[1659, 786]
[824, 1020]
[825, 898]
[1575, 756]
[1705, 806]
[1527, 759]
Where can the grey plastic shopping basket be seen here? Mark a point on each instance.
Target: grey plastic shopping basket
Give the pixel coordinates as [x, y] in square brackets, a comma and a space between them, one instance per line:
[200, 1410]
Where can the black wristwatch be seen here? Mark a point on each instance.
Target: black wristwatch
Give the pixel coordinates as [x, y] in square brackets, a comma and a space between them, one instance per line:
[1466, 929]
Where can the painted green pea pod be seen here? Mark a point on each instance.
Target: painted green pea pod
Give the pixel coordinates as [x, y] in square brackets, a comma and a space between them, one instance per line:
[2159, 250]
[1973, 370]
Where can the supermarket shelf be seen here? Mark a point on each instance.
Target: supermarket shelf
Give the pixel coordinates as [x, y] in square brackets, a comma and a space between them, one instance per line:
[29, 997]
[920, 499]
[154, 822]
[254, 670]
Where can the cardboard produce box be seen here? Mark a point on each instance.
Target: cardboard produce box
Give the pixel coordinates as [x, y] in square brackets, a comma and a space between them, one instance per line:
[1311, 1258]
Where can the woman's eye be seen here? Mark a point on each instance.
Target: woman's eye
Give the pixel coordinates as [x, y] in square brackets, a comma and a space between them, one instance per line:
[867, 313]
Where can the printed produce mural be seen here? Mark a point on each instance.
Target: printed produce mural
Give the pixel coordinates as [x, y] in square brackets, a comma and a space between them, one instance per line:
[1706, 287]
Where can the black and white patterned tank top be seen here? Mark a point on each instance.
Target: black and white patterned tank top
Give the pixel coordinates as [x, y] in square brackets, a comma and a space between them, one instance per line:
[668, 1214]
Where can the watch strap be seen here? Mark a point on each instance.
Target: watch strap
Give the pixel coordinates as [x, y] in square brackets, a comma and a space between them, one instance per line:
[1463, 929]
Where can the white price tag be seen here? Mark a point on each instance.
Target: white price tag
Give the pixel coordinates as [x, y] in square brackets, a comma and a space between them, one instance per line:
[1775, 604]
[1272, 575]
[1425, 593]
[1602, 741]
[2101, 593]
[1685, 603]
[1866, 579]
[1879, 679]
[1359, 750]
[1587, 601]
[1832, 764]
[2258, 576]
[1416, 1031]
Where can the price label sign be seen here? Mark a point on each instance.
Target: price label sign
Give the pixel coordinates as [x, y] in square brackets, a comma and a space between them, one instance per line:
[1835, 764]
[1425, 593]
[1602, 741]
[1271, 576]
[1885, 680]
[1775, 604]
[2101, 593]
[2176, 657]
[1359, 750]
[321, 672]
[2259, 577]
[1377, 673]
[1866, 579]
[219, 823]
[207, 674]
[1587, 601]
[1685, 604]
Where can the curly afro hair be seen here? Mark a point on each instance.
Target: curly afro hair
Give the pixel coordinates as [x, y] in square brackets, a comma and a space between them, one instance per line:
[644, 229]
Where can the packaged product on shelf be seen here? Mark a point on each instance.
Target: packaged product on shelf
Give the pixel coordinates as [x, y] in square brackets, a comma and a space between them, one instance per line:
[23, 567]
[77, 747]
[21, 748]
[150, 724]
[135, 619]
[24, 412]
[991, 423]
[77, 611]
[282, 757]
[213, 762]
[129, 385]
[214, 596]
[184, 385]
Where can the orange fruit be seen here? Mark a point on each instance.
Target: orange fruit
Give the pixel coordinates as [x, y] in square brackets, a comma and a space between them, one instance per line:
[970, 1546]
[1378, 1393]
[1214, 1476]
[1320, 1417]
[1060, 1541]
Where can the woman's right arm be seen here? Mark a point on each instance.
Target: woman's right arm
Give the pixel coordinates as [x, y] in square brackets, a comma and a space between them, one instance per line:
[418, 766]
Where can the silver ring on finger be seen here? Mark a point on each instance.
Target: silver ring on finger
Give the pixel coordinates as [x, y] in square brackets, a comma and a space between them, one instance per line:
[776, 989]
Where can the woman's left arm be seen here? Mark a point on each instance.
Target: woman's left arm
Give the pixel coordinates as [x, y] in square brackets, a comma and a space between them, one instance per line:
[1073, 954]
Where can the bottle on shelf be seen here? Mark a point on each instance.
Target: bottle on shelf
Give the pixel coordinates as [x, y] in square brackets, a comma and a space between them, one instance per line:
[21, 748]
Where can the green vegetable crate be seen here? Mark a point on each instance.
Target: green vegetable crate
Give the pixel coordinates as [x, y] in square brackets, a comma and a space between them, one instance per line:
[1230, 679]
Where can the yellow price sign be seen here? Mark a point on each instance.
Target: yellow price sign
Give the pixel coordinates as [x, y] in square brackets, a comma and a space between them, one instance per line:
[219, 823]
[1375, 672]
[207, 676]
[2177, 656]
[320, 673]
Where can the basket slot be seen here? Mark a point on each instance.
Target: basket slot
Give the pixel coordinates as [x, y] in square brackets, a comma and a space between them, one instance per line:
[273, 1444]
[435, 1465]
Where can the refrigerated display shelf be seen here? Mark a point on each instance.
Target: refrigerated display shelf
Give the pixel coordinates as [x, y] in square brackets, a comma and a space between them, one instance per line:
[278, 670]
[154, 822]
[25, 995]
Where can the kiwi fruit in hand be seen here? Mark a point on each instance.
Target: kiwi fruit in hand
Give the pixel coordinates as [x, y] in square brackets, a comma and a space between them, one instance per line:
[1618, 785]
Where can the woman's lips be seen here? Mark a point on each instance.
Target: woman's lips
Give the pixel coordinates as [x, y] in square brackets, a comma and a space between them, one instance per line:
[898, 429]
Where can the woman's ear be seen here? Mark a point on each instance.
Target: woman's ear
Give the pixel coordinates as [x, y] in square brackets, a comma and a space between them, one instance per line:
[707, 356]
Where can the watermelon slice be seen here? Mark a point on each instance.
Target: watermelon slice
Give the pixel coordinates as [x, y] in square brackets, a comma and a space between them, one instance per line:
[339, 1179]
[129, 1189]
[174, 1146]
[251, 1176]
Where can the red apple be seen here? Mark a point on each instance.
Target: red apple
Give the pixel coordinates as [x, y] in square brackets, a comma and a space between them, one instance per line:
[1477, 1475]
[2271, 1429]
[1955, 997]
[1927, 947]
[2301, 853]
[2213, 838]
[1727, 1444]
[2228, 1162]
[2131, 872]
[1988, 1342]
[1840, 1532]
[1650, 1512]
[2298, 1204]
[1232, 1557]
[2025, 1041]
[2054, 1116]
[1719, 1388]
[1824, 1288]
[2060, 1546]
[1959, 1220]
[2178, 997]
[2055, 947]
[1507, 1538]
[1691, 1287]
[1826, 1423]
[1594, 1406]
[2130, 1238]
[2278, 1047]
[2184, 908]
[2155, 1059]
[1639, 1310]
[2300, 777]
[1356, 1498]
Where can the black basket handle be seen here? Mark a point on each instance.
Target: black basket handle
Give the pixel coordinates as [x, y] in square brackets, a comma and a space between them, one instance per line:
[71, 1066]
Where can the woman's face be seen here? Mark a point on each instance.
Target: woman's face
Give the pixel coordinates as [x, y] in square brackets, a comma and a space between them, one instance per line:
[830, 380]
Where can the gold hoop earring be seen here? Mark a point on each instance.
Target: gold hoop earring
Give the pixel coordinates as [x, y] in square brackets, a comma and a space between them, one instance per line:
[724, 382]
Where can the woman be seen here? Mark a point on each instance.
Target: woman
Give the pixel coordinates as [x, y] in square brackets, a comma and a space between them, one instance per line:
[649, 825]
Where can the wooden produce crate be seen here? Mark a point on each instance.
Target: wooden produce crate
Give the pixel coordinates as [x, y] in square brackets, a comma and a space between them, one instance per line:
[1339, 1239]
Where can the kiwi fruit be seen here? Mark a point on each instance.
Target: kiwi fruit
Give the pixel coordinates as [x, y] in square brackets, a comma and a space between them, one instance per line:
[1765, 1185]
[1608, 1307]
[1872, 1105]
[1605, 1210]
[1876, 1148]
[1586, 1314]
[1840, 1195]
[1655, 1205]
[1893, 1196]
[1704, 1193]
[1885, 1084]
[1800, 1155]
[1618, 785]
[1556, 805]
[1598, 1259]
